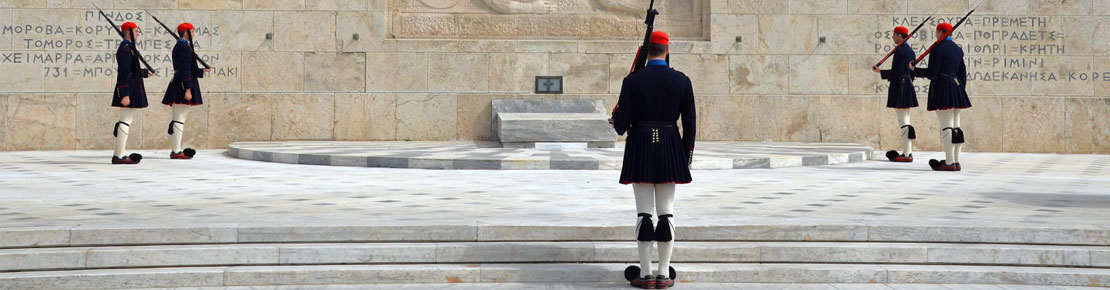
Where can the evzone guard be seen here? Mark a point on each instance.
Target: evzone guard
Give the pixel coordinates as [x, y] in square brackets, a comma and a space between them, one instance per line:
[656, 157]
[947, 93]
[901, 96]
[130, 92]
[183, 91]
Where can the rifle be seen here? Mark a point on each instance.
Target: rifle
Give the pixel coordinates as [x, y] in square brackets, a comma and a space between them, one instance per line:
[908, 37]
[176, 37]
[120, 32]
[961, 22]
[641, 54]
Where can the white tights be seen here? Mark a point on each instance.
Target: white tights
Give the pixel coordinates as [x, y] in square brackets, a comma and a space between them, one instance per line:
[950, 119]
[180, 114]
[903, 121]
[655, 198]
[126, 115]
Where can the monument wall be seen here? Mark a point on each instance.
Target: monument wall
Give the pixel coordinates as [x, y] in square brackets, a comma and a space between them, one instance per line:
[774, 70]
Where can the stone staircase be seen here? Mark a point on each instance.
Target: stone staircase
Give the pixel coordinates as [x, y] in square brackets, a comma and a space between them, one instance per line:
[249, 255]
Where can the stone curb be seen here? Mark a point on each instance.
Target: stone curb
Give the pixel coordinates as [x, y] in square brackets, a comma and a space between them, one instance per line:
[276, 152]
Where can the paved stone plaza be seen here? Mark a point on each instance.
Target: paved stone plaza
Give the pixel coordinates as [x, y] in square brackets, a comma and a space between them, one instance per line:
[1008, 219]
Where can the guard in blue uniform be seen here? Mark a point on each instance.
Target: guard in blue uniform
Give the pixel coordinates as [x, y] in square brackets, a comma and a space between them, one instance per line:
[901, 96]
[130, 92]
[656, 157]
[183, 91]
[947, 95]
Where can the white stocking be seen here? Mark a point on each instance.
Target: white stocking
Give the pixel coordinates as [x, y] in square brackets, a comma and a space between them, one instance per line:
[180, 114]
[903, 121]
[126, 115]
[945, 119]
[956, 147]
[645, 201]
[664, 205]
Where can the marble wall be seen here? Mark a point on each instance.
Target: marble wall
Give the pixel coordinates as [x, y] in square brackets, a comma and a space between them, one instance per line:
[782, 70]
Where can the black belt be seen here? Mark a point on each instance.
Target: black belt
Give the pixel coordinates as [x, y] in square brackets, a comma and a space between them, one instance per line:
[659, 124]
[945, 75]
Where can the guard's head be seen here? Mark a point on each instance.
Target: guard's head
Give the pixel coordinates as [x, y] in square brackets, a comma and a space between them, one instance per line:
[130, 30]
[658, 47]
[900, 34]
[185, 30]
[943, 29]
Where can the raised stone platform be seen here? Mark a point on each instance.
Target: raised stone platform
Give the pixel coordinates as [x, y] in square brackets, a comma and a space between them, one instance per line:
[490, 155]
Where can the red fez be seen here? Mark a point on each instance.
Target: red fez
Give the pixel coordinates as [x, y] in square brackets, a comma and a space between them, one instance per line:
[660, 38]
[944, 26]
[901, 30]
[185, 27]
[128, 26]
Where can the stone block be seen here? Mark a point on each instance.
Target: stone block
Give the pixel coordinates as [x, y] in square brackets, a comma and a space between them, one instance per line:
[304, 117]
[360, 117]
[372, 28]
[115, 279]
[42, 122]
[33, 237]
[818, 74]
[518, 46]
[1006, 8]
[725, 28]
[1088, 126]
[1070, 85]
[304, 30]
[619, 66]
[1034, 124]
[514, 252]
[22, 77]
[1049, 7]
[994, 275]
[396, 72]
[22, 4]
[145, 4]
[1101, 8]
[181, 256]
[747, 118]
[981, 125]
[958, 7]
[799, 119]
[516, 72]
[802, 40]
[850, 34]
[758, 6]
[1100, 257]
[843, 253]
[341, 5]
[96, 120]
[582, 73]
[850, 119]
[427, 116]
[350, 274]
[863, 81]
[1102, 83]
[554, 127]
[336, 72]
[226, 75]
[274, 4]
[553, 233]
[92, 236]
[458, 72]
[476, 115]
[273, 71]
[42, 259]
[1009, 255]
[305, 254]
[211, 4]
[711, 71]
[760, 74]
[878, 6]
[340, 233]
[785, 232]
[242, 31]
[818, 6]
[4, 139]
[543, 273]
[241, 117]
[155, 122]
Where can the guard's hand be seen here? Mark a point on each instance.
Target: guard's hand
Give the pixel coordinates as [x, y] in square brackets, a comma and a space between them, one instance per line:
[875, 69]
[189, 95]
[911, 66]
[126, 101]
[208, 70]
[610, 121]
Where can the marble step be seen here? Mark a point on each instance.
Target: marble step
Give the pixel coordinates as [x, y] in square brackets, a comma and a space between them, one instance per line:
[41, 259]
[796, 232]
[545, 273]
[619, 285]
